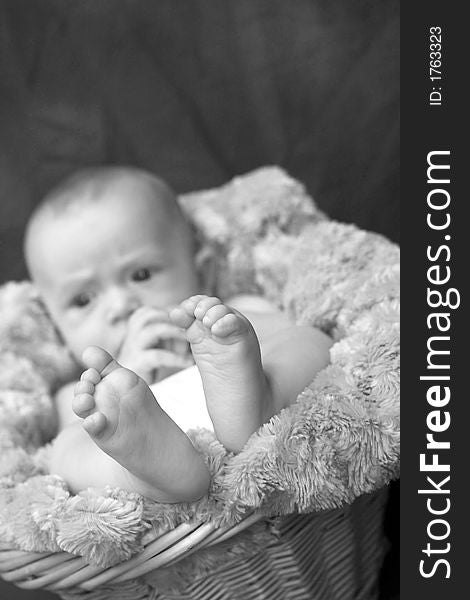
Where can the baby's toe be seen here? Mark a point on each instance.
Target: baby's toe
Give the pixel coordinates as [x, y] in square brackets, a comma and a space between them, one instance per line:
[96, 358]
[214, 314]
[229, 324]
[122, 380]
[181, 317]
[204, 305]
[91, 375]
[95, 424]
[82, 404]
[190, 303]
[84, 387]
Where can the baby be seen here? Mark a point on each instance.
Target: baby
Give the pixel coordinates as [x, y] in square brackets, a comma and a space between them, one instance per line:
[113, 259]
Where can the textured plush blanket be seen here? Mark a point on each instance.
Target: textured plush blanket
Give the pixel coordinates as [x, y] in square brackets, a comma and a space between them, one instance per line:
[338, 441]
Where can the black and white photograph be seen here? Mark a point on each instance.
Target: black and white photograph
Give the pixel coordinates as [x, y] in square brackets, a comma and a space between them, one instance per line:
[200, 301]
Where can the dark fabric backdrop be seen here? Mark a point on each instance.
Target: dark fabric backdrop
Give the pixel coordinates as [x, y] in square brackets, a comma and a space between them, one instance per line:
[199, 91]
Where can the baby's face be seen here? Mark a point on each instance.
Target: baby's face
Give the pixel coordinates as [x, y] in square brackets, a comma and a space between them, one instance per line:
[95, 265]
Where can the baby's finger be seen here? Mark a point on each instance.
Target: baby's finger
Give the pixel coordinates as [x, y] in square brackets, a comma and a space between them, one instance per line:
[157, 358]
[145, 315]
[153, 335]
[180, 347]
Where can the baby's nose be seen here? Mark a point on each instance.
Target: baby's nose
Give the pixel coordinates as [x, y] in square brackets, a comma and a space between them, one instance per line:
[122, 303]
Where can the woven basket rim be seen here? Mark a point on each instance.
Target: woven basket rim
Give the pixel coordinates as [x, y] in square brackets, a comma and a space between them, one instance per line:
[60, 570]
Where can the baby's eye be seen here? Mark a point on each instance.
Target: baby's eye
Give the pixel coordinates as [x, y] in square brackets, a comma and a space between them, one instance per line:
[141, 274]
[80, 300]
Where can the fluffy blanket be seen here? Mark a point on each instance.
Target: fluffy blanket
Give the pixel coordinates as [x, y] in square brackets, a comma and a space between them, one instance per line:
[338, 441]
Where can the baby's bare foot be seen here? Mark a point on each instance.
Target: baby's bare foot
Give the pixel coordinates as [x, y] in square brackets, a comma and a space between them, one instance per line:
[227, 354]
[123, 418]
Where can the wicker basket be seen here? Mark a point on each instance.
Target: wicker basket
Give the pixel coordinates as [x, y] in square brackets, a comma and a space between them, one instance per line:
[266, 234]
[334, 555]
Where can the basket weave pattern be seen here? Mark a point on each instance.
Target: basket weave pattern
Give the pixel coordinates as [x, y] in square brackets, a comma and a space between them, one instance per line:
[335, 554]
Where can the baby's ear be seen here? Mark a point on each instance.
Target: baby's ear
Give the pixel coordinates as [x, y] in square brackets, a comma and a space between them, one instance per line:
[206, 266]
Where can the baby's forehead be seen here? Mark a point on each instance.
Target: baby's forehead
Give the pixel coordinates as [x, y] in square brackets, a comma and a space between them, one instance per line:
[123, 194]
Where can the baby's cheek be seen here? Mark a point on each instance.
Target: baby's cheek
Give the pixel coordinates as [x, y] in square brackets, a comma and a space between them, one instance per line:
[80, 337]
[77, 345]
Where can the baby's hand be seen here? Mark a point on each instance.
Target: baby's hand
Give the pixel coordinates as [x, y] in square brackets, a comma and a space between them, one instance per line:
[154, 347]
